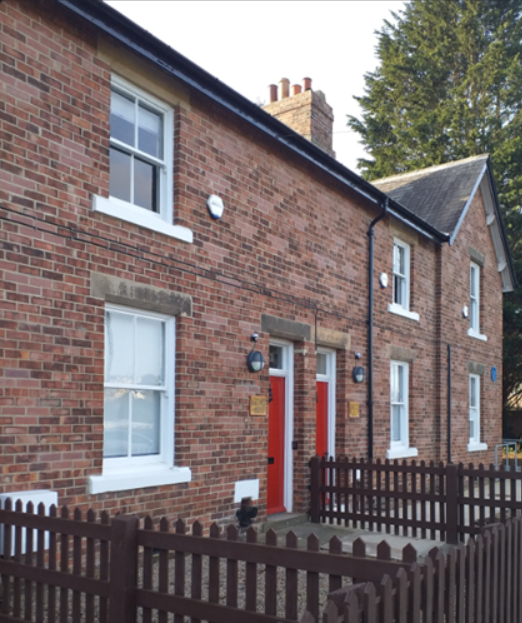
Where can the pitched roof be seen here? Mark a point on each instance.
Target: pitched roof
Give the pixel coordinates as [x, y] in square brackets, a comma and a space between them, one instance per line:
[441, 195]
[438, 194]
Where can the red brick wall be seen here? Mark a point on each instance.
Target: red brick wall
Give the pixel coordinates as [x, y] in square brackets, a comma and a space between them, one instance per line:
[291, 240]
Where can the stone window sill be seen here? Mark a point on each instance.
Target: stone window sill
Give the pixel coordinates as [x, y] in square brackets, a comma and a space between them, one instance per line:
[477, 336]
[476, 447]
[151, 477]
[138, 216]
[401, 453]
[405, 313]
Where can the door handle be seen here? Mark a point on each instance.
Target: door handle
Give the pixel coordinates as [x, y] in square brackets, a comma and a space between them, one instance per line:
[270, 460]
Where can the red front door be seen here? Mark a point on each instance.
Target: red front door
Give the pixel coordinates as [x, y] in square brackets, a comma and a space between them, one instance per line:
[321, 419]
[276, 447]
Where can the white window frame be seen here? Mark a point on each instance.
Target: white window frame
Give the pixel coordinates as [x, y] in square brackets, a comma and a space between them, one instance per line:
[125, 473]
[474, 415]
[398, 308]
[329, 378]
[161, 221]
[474, 302]
[401, 448]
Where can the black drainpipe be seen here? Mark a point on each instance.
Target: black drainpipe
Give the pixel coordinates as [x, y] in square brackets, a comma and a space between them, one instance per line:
[449, 403]
[370, 328]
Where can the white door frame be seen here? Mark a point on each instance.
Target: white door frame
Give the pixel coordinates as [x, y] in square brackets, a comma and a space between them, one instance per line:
[288, 373]
[329, 377]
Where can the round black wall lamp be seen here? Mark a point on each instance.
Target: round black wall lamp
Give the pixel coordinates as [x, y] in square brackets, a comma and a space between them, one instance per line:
[255, 359]
[358, 374]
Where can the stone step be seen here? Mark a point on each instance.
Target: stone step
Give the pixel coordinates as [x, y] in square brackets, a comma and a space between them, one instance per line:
[282, 521]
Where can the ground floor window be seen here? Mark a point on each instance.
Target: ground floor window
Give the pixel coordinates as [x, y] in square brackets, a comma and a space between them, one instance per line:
[399, 411]
[474, 408]
[139, 386]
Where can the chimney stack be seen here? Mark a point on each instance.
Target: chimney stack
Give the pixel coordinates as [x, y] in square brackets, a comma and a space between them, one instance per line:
[305, 111]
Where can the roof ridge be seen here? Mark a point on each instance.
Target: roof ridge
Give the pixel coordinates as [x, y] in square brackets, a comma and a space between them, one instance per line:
[427, 170]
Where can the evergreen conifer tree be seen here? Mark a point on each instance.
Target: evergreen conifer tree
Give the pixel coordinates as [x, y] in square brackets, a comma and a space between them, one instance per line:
[449, 86]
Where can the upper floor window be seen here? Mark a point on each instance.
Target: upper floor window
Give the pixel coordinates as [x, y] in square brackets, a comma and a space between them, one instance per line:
[401, 281]
[474, 302]
[401, 274]
[141, 161]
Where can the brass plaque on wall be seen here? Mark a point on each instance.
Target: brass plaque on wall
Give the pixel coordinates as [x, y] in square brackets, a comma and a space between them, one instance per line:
[257, 405]
[353, 409]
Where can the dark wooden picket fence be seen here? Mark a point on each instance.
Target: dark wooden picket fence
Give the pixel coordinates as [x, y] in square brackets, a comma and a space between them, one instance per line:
[83, 569]
[434, 501]
[477, 583]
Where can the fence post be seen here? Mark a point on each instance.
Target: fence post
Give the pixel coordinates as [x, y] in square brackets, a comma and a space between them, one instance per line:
[123, 569]
[452, 489]
[315, 495]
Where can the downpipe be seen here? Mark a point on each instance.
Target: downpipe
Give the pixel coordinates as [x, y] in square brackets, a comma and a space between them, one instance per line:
[370, 233]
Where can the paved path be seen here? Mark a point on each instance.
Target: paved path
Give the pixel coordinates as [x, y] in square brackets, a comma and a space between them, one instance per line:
[300, 525]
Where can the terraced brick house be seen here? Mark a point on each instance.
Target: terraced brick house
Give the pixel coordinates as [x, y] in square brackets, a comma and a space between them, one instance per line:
[153, 221]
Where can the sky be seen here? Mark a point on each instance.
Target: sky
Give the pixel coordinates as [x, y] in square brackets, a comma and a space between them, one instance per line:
[251, 44]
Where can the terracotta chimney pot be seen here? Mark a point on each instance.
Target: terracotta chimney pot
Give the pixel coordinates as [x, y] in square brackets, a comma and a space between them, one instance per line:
[272, 93]
[307, 84]
[296, 89]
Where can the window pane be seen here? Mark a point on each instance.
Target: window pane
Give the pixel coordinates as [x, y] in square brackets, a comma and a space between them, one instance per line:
[119, 348]
[473, 315]
[471, 430]
[321, 363]
[145, 422]
[400, 290]
[150, 337]
[150, 132]
[400, 375]
[144, 185]
[120, 175]
[399, 264]
[276, 357]
[473, 281]
[394, 384]
[396, 423]
[472, 392]
[116, 423]
[122, 120]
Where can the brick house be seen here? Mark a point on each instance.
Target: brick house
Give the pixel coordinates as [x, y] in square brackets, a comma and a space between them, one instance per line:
[128, 311]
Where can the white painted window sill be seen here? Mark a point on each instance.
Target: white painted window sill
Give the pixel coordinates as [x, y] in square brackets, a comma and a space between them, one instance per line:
[401, 453]
[477, 336]
[144, 218]
[476, 447]
[405, 313]
[151, 477]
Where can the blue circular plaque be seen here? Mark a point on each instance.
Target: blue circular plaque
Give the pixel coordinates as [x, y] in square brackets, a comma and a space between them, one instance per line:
[493, 374]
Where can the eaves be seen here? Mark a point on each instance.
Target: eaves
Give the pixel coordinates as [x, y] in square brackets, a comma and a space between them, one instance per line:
[131, 35]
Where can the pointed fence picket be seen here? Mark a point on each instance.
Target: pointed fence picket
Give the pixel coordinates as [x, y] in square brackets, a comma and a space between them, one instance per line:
[436, 501]
[75, 567]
